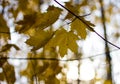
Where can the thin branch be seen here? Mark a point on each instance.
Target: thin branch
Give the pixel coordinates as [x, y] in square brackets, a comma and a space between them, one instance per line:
[87, 25]
[55, 59]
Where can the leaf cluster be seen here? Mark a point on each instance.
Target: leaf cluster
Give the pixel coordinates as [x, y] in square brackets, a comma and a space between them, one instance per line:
[42, 35]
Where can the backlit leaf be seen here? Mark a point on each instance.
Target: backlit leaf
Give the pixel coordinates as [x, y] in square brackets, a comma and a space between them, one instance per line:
[72, 8]
[72, 45]
[39, 20]
[46, 19]
[39, 39]
[80, 27]
[65, 40]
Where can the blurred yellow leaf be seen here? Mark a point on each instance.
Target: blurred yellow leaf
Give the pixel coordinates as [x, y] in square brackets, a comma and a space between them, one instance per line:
[23, 5]
[1, 77]
[4, 29]
[108, 82]
[52, 80]
[9, 73]
[43, 70]
[26, 23]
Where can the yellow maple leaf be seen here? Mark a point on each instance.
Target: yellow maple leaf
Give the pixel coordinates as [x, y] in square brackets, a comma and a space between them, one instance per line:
[72, 8]
[65, 40]
[39, 39]
[72, 45]
[46, 19]
[39, 20]
[79, 27]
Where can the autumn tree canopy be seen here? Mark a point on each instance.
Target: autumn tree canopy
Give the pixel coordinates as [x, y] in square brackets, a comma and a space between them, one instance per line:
[53, 29]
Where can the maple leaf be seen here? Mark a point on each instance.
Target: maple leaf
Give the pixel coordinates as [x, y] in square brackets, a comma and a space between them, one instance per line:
[39, 39]
[65, 40]
[72, 8]
[39, 20]
[80, 27]
[46, 19]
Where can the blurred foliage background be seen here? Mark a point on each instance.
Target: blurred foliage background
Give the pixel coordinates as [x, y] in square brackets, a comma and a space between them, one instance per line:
[43, 43]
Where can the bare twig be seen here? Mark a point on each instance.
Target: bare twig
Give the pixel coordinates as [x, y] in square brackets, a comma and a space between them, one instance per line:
[55, 59]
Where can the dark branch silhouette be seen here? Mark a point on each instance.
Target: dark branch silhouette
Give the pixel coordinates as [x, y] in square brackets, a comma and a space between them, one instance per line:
[55, 59]
[87, 25]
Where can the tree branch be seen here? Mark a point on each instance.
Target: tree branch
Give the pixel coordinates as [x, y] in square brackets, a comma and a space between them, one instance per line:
[78, 17]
